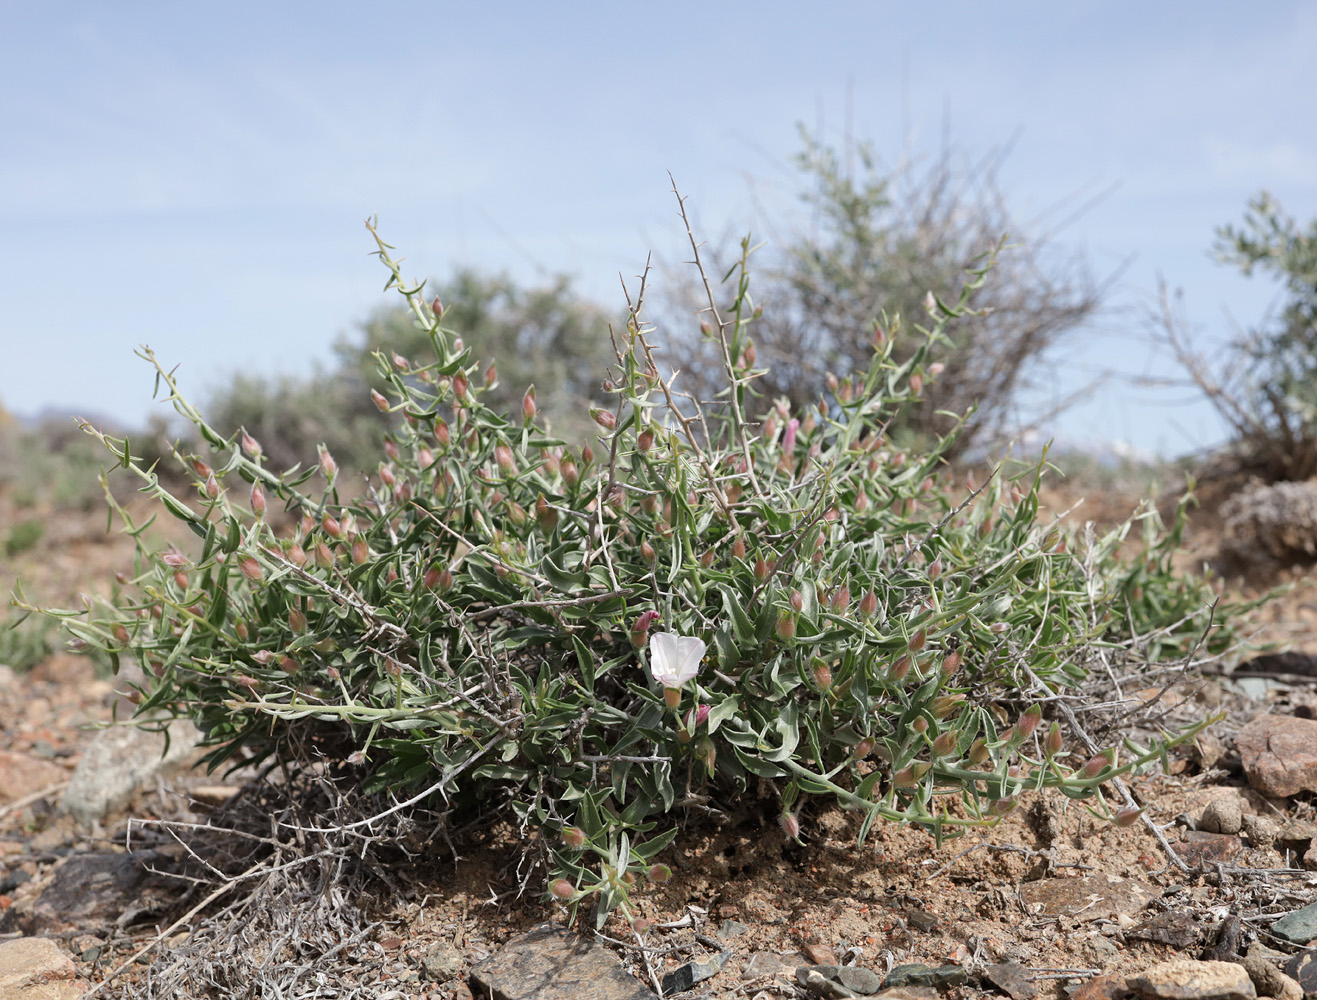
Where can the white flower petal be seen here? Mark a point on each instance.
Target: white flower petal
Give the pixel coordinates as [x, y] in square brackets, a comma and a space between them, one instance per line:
[674, 659]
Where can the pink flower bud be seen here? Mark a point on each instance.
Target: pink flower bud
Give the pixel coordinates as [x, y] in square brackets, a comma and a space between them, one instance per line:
[528, 405]
[460, 387]
[916, 383]
[212, 488]
[917, 643]
[604, 418]
[570, 474]
[640, 630]
[360, 550]
[1097, 764]
[324, 558]
[701, 714]
[978, 753]
[919, 725]
[936, 368]
[328, 467]
[790, 825]
[391, 449]
[868, 604]
[864, 748]
[380, 402]
[1053, 742]
[821, 673]
[437, 307]
[400, 363]
[250, 445]
[561, 889]
[296, 555]
[645, 440]
[738, 547]
[946, 743]
[491, 374]
[386, 475]
[574, 837]
[935, 568]
[1029, 721]
[647, 552]
[658, 874]
[841, 599]
[503, 458]
[789, 437]
[296, 620]
[288, 665]
[1128, 816]
[173, 559]
[332, 528]
[897, 671]
[250, 568]
[944, 704]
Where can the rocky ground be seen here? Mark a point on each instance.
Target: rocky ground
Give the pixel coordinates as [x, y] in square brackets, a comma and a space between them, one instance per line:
[99, 854]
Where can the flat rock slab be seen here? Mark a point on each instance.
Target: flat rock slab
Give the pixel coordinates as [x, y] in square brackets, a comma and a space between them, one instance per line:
[1093, 897]
[1186, 979]
[1299, 927]
[89, 889]
[551, 963]
[1200, 848]
[1279, 754]
[34, 968]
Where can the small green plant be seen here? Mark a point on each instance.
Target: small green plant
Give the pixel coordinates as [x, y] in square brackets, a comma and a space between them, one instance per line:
[25, 642]
[23, 536]
[720, 597]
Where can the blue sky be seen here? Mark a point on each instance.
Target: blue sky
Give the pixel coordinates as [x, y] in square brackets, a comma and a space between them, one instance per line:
[195, 177]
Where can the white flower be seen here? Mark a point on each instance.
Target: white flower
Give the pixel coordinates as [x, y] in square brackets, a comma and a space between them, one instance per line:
[674, 659]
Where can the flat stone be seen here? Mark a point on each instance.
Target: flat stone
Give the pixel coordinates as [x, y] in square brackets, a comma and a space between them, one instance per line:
[1011, 978]
[1108, 987]
[918, 974]
[89, 889]
[1277, 752]
[1302, 968]
[820, 954]
[121, 760]
[768, 963]
[683, 978]
[1199, 848]
[551, 963]
[731, 928]
[920, 920]
[1092, 897]
[907, 993]
[1177, 928]
[821, 984]
[23, 774]
[861, 980]
[1299, 927]
[1186, 979]
[34, 968]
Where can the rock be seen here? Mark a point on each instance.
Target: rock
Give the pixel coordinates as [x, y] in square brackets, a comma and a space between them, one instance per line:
[907, 993]
[768, 963]
[918, 974]
[442, 961]
[121, 760]
[683, 978]
[821, 985]
[1090, 897]
[860, 980]
[731, 928]
[1187, 979]
[34, 968]
[1176, 928]
[820, 954]
[1198, 848]
[1302, 968]
[1261, 831]
[551, 963]
[1278, 754]
[1299, 927]
[1222, 815]
[1011, 978]
[1108, 987]
[1270, 981]
[23, 774]
[88, 889]
[920, 920]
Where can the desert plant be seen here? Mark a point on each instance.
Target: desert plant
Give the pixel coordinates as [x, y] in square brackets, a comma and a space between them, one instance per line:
[879, 244]
[541, 336]
[592, 639]
[1263, 382]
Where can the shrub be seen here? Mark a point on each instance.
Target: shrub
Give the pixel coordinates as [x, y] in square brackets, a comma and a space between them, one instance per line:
[1263, 385]
[879, 243]
[703, 605]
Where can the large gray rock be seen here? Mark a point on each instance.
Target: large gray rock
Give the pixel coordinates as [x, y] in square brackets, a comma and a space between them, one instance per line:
[122, 760]
[551, 963]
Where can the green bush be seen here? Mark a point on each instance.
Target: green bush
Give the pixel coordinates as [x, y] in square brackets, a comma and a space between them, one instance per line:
[722, 598]
[23, 536]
